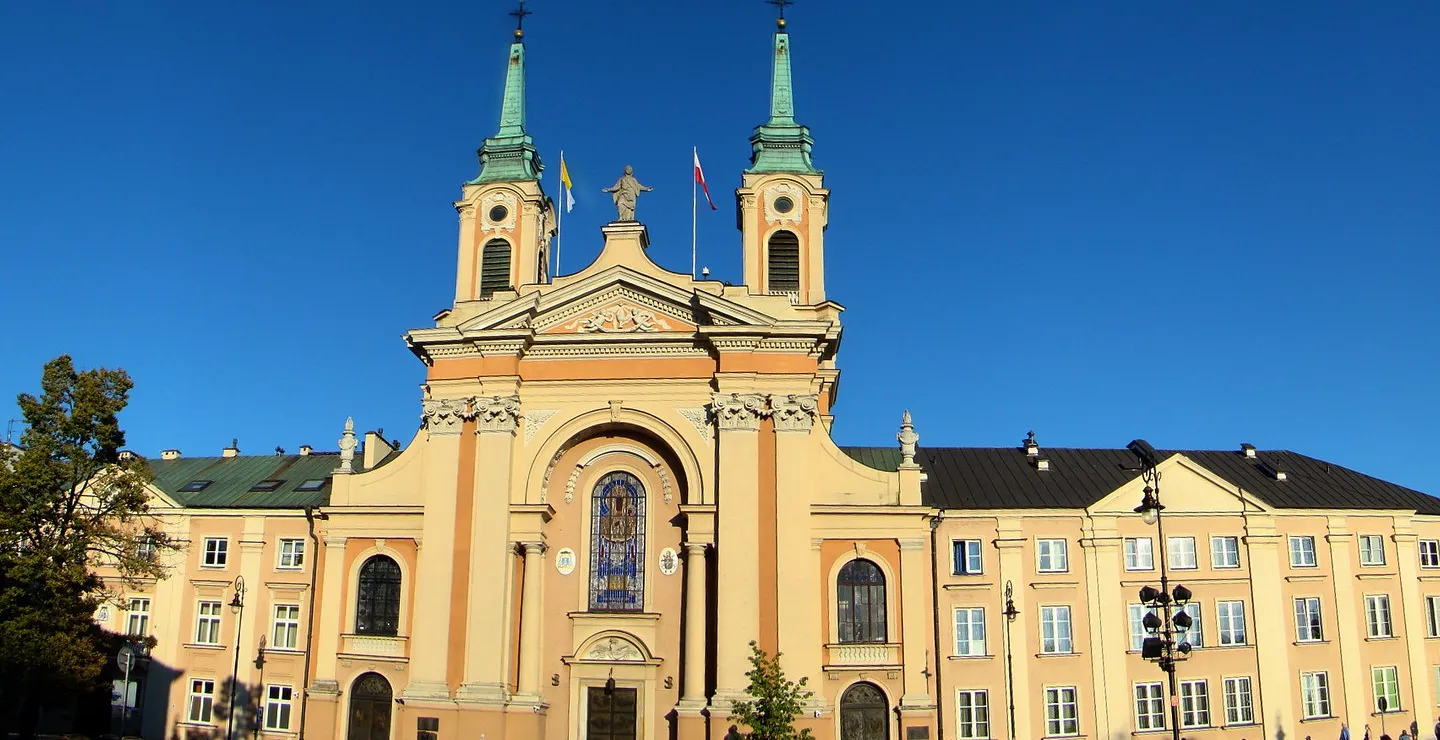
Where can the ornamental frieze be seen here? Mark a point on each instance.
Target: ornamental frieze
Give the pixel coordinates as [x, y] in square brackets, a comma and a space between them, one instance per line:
[619, 318]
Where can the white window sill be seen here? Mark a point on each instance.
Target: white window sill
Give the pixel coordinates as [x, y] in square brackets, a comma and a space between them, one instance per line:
[203, 646]
[1381, 638]
[1326, 718]
[1312, 642]
[200, 725]
[1058, 655]
[970, 657]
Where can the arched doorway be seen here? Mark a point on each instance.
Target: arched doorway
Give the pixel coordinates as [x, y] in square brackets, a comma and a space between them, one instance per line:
[370, 700]
[864, 713]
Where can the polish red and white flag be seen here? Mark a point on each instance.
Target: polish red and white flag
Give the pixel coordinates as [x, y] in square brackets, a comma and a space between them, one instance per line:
[700, 180]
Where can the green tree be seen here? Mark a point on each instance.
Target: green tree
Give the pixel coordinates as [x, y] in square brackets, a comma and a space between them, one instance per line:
[775, 701]
[71, 505]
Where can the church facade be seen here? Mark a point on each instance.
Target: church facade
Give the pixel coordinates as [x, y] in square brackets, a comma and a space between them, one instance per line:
[623, 477]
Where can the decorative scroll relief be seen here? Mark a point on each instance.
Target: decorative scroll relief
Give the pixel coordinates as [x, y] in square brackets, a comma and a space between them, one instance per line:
[445, 415]
[666, 487]
[533, 421]
[619, 318]
[699, 419]
[497, 413]
[614, 648]
[794, 412]
[498, 198]
[775, 192]
[738, 410]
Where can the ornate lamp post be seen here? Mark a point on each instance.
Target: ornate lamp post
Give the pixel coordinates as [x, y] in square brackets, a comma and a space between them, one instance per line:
[1010, 614]
[237, 607]
[1166, 644]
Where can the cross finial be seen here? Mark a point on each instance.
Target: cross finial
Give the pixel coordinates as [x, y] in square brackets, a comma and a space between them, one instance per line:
[780, 4]
[519, 14]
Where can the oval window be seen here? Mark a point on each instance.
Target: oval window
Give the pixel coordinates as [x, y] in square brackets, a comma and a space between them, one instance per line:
[498, 214]
[783, 204]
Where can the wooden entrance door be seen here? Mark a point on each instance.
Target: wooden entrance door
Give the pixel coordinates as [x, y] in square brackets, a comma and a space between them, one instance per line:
[864, 713]
[610, 714]
[370, 700]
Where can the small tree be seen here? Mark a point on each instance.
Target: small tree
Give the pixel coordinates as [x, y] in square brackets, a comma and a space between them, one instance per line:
[775, 700]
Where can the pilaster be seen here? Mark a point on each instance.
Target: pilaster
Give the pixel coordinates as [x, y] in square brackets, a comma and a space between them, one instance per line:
[1010, 542]
[794, 419]
[693, 697]
[1354, 678]
[329, 623]
[1407, 557]
[1266, 552]
[737, 550]
[531, 622]
[487, 661]
[917, 624]
[1110, 642]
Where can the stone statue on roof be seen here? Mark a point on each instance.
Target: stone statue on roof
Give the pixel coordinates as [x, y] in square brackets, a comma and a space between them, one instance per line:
[625, 192]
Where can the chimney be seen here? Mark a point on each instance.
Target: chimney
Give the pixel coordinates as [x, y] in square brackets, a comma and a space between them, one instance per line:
[376, 448]
[1042, 464]
[126, 456]
[1248, 450]
[1032, 448]
[1272, 471]
[233, 450]
[306, 450]
[169, 454]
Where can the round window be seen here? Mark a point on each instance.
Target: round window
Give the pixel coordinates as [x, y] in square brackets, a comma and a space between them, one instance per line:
[498, 214]
[783, 204]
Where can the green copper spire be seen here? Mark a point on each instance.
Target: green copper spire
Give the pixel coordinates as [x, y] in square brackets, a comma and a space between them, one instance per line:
[510, 154]
[781, 145]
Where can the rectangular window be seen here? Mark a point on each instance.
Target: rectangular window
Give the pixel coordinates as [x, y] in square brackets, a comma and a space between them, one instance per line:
[1372, 549]
[292, 554]
[1062, 712]
[1194, 704]
[1377, 616]
[217, 552]
[1149, 706]
[287, 626]
[1139, 553]
[1231, 617]
[1432, 616]
[1224, 552]
[1196, 634]
[1052, 556]
[1315, 694]
[1239, 702]
[1307, 620]
[137, 624]
[1386, 683]
[972, 710]
[1055, 629]
[1302, 552]
[1182, 553]
[207, 623]
[1137, 626]
[965, 555]
[145, 548]
[1430, 553]
[970, 631]
[278, 700]
[202, 700]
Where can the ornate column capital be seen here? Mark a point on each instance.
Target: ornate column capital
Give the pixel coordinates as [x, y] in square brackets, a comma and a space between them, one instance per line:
[794, 413]
[497, 414]
[738, 410]
[445, 415]
[696, 548]
[532, 549]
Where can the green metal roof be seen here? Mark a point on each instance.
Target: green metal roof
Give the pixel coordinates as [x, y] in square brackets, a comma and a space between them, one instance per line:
[233, 477]
[879, 458]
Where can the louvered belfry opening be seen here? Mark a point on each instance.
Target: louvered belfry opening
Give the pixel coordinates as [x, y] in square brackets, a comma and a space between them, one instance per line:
[494, 267]
[783, 263]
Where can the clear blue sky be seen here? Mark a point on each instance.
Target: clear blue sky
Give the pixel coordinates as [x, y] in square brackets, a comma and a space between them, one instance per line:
[1198, 223]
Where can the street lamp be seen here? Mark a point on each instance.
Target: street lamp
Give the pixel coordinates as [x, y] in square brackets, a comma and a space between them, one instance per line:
[237, 607]
[1166, 644]
[1010, 614]
[260, 693]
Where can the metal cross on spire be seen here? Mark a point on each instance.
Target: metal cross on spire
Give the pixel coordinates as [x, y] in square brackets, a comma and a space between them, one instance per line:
[780, 4]
[519, 14]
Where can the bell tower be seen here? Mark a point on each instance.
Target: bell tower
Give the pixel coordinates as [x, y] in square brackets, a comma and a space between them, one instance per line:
[782, 197]
[506, 220]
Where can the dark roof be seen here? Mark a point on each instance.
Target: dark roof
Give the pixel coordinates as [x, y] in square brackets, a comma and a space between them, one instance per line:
[1004, 478]
[233, 477]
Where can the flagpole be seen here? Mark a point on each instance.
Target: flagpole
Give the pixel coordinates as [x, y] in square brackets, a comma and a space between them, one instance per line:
[559, 219]
[694, 183]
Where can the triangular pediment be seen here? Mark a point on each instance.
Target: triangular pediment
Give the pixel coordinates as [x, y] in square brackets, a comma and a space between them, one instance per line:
[1186, 487]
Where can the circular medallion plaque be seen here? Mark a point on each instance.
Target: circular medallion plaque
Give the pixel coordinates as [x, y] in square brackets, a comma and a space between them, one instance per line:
[565, 561]
[669, 561]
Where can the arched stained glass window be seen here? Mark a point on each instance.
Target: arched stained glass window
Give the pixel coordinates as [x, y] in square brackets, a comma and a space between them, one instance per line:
[860, 602]
[617, 544]
[377, 607]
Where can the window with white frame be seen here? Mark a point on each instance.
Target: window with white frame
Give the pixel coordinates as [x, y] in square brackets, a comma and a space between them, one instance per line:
[1194, 703]
[970, 631]
[1386, 683]
[1062, 712]
[137, 622]
[207, 623]
[1052, 556]
[217, 552]
[1315, 694]
[1302, 551]
[202, 700]
[1372, 549]
[287, 627]
[1055, 630]
[966, 558]
[1138, 633]
[1430, 553]
[278, 701]
[1149, 706]
[1307, 620]
[1230, 616]
[1225, 552]
[1196, 634]
[1182, 553]
[292, 554]
[1139, 553]
[972, 712]
[1432, 616]
[1239, 701]
[1377, 616]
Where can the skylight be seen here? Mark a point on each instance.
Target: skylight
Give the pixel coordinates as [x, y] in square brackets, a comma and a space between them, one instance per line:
[313, 484]
[267, 485]
[195, 485]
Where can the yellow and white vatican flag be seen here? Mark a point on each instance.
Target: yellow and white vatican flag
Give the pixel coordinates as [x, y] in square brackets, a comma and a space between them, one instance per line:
[566, 184]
